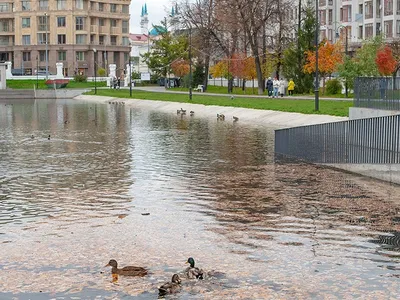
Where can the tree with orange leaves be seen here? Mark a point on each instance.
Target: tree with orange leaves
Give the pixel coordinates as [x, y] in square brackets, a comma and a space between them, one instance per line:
[180, 67]
[385, 61]
[329, 57]
[237, 65]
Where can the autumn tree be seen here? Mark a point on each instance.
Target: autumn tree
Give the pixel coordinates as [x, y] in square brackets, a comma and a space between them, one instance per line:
[180, 67]
[329, 56]
[385, 61]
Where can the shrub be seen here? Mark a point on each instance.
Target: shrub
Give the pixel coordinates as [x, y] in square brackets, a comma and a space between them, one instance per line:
[101, 72]
[333, 87]
[80, 78]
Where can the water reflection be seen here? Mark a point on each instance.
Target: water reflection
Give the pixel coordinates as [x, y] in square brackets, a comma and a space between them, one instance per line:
[150, 188]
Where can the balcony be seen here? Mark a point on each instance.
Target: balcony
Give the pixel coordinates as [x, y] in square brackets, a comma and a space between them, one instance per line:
[103, 29]
[94, 28]
[115, 30]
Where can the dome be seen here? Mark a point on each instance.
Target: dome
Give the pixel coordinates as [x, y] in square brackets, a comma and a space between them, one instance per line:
[157, 30]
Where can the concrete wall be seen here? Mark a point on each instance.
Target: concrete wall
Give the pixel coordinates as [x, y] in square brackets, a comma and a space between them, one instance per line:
[58, 94]
[363, 113]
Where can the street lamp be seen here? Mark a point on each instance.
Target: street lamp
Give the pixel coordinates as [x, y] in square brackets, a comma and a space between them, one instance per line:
[346, 52]
[95, 70]
[316, 89]
[47, 57]
[37, 72]
[190, 63]
[130, 76]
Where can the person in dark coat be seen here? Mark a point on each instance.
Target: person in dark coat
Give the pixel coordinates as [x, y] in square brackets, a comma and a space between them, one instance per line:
[270, 86]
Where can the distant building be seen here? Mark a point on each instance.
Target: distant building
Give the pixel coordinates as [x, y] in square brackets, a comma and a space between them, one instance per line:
[72, 29]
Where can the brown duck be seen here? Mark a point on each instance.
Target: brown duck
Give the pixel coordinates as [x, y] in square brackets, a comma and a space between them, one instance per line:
[127, 271]
[170, 287]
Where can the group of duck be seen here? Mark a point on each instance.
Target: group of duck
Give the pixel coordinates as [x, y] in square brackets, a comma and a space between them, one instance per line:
[116, 102]
[220, 117]
[170, 287]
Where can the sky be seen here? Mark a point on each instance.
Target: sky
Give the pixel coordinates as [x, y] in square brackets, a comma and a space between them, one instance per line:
[157, 10]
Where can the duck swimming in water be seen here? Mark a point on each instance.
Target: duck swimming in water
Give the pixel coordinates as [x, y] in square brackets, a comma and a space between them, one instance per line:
[192, 272]
[170, 287]
[126, 271]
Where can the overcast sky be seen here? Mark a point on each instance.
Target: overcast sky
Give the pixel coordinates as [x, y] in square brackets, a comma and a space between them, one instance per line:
[157, 10]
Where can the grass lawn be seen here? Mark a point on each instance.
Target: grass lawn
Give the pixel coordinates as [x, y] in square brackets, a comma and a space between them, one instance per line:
[327, 107]
[28, 84]
[251, 91]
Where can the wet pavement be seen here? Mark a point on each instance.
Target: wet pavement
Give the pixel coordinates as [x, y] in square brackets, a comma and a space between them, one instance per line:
[151, 188]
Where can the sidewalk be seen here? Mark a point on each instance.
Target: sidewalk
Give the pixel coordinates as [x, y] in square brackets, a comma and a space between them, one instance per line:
[161, 89]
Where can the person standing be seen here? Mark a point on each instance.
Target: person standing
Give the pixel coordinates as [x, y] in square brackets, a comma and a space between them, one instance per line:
[276, 84]
[291, 86]
[269, 86]
[282, 85]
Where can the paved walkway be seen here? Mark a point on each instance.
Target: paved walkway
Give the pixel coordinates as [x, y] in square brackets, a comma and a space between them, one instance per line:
[161, 89]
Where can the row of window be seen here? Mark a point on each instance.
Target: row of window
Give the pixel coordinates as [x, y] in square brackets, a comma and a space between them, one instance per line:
[79, 23]
[80, 39]
[62, 56]
[62, 5]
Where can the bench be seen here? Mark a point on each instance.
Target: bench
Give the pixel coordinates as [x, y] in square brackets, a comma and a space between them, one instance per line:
[200, 88]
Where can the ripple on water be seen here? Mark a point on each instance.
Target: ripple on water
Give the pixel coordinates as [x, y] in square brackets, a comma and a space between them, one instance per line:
[151, 189]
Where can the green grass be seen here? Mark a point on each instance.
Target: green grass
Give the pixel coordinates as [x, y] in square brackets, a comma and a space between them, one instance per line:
[327, 107]
[28, 84]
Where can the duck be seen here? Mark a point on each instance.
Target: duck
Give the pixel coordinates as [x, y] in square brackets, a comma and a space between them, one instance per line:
[192, 272]
[178, 111]
[170, 287]
[127, 271]
[191, 113]
[235, 119]
[49, 137]
[221, 117]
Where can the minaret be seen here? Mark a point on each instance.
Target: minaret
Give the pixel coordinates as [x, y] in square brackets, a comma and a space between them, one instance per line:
[144, 20]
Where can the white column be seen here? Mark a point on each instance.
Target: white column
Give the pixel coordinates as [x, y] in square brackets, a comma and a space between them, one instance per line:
[59, 67]
[8, 70]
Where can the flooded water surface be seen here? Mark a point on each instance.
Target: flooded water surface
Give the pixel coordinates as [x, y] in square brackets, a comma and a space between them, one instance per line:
[82, 183]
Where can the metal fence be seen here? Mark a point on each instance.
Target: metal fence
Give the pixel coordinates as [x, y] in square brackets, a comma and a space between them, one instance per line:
[377, 92]
[362, 141]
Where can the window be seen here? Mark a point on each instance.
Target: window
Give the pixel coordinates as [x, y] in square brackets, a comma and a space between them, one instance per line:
[43, 5]
[101, 22]
[125, 9]
[92, 5]
[93, 21]
[388, 28]
[369, 31]
[4, 7]
[79, 23]
[360, 32]
[113, 23]
[4, 26]
[102, 40]
[378, 28]
[42, 38]
[113, 7]
[61, 39]
[42, 55]
[330, 16]
[61, 4]
[369, 10]
[101, 6]
[26, 5]
[26, 40]
[62, 55]
[80, 39]
[92, 38]
[26, 56]
[43, 23]
[113, 40]
[80, 55]
[60, 21]
[79, 4]
[26, 22]
[125, 41]
[125, 27]
[388, 8]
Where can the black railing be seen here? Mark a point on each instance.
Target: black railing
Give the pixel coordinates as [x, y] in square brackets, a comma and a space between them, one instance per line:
[377, 92]
[362, 141]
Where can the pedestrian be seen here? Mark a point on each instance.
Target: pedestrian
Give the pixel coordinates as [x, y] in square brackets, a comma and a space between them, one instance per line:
[291, 86]
[282, 85]
[119, 83]
[276, 84]
[269, 86]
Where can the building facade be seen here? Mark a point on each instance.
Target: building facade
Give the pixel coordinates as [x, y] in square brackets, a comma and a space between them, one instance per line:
[70, 30]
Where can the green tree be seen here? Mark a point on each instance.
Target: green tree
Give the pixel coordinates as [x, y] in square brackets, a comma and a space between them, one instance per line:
[198, 74]
[165, 50]
[296, 53]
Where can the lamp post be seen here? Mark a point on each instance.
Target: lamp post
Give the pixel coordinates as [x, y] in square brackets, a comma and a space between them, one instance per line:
[47, 57]
[346, 52]
[130, 76]
[316, 89]
[190, 63]
[37, 72]
[95, 70]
